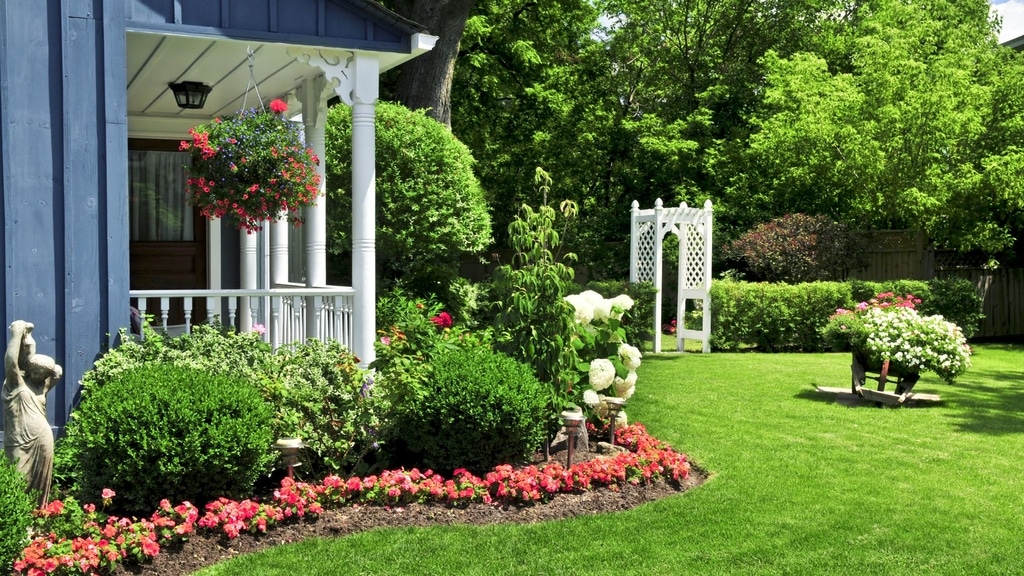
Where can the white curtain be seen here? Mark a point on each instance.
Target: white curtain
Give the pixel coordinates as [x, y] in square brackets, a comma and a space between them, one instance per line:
[159, 212]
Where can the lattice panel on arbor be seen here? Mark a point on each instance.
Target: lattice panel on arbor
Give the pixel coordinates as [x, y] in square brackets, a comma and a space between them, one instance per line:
[694, 259]
[645, 250]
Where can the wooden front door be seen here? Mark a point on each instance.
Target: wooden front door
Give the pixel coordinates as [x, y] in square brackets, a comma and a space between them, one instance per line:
[167, 247]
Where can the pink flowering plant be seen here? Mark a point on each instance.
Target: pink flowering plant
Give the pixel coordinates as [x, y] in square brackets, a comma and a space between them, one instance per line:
[251, 167]
[888, 327]
[91, 543]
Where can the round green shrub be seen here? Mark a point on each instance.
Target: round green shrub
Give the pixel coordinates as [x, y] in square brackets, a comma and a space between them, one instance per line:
[166, 431]
[15, 514]
[430, 206]
[481, 409]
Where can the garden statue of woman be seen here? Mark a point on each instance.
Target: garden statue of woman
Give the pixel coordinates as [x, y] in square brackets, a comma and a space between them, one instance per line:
[28, 440]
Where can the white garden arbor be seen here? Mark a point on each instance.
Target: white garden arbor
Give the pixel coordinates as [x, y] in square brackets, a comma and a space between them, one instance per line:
[692, 226]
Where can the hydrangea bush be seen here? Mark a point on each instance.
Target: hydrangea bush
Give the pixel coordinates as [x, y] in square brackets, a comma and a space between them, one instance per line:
[888, 327]
[608, 361]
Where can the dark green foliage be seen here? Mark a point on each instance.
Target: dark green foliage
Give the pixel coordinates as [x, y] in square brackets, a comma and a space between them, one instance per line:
[773, 317]
[481, 409]
[430, 207]
[639, 322]
[799, 248]
[166, 431]
[335, 410]
[16, 507]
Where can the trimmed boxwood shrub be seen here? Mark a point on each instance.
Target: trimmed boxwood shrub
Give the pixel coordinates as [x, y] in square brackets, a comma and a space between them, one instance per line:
[15, 514]
[773, 317]
[480, 409]
[166, 431]
[779, 317]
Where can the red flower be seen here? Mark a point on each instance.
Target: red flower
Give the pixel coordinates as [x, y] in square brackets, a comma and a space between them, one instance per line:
[442, 320]
[278, 106]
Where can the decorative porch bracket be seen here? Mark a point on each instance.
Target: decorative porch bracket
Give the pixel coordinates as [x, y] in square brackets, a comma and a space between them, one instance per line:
[354, 78]
[693, 228]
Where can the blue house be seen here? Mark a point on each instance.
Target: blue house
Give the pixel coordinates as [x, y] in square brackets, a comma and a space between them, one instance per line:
[92, 179]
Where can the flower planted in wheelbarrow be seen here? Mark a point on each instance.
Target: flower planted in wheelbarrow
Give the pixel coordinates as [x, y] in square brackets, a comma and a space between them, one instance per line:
[888, 327]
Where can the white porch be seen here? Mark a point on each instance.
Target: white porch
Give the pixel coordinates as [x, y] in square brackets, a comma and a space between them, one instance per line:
[306, 78]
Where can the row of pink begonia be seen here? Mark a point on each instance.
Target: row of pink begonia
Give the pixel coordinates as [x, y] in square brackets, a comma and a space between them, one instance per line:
[107, 540]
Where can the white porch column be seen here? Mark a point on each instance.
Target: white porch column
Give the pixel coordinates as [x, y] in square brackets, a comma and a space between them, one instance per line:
[248, 277]
[314, 120]
[279, 252]
[364, 224]
[354, 77]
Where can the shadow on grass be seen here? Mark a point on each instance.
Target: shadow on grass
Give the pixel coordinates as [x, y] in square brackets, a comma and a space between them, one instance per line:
[995, 410]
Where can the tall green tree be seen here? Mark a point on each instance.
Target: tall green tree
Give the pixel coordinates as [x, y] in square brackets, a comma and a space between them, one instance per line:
[906, 134]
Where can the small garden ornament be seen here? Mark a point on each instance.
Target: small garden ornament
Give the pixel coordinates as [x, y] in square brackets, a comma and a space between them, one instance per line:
[28, 440]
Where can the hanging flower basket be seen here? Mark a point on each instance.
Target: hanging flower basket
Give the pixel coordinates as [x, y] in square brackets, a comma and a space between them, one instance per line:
[251, 167]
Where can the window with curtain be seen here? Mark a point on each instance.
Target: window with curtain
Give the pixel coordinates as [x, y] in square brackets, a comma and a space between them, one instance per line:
[159, 212]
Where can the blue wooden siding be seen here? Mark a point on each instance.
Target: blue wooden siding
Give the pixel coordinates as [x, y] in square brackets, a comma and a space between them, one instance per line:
[351, 24]
[64, 138]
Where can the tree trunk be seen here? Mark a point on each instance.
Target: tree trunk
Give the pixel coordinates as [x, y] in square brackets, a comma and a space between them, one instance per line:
[426, 81]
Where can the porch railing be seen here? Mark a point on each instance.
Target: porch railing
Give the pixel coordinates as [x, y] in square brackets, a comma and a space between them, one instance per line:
[287, 314]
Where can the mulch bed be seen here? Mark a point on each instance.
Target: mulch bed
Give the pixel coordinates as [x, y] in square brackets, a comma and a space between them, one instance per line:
[205, 549]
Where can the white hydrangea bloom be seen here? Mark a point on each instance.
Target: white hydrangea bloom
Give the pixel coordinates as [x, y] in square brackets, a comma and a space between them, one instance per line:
[591, 398]
[619, 305]
[623, 388]
[630, 356]
[602, 373]
[602, 310]
[631, 378]
[593, 297]
[584, 310]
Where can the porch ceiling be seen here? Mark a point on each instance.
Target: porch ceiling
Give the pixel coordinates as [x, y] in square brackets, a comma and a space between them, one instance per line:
[155, 60]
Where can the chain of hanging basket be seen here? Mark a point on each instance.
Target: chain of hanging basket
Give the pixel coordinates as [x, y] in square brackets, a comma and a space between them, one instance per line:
[252, 167]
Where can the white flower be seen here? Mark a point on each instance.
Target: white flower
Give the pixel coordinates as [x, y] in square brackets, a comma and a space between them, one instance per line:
[631, 378]
[602, 373]
[584, 310]
[623, 389]
[630, 356]
[591, 398]
[602, 310]
[619, 305]
[593, 297]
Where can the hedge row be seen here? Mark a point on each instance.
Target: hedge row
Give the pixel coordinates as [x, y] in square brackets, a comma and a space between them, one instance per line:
[789, 317]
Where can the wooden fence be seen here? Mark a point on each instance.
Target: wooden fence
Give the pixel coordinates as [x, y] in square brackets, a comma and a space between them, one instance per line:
[1002, 291]
[905, 254]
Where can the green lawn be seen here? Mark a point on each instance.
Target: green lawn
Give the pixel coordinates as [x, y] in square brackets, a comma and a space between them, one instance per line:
[800, 485]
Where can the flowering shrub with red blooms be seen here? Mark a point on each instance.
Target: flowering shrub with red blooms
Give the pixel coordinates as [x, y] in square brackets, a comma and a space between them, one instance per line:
[252, 167]
[442, 320]
[669, 327]
[106, 540]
